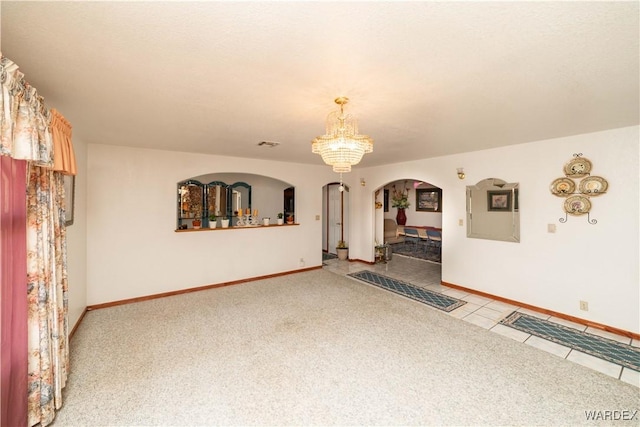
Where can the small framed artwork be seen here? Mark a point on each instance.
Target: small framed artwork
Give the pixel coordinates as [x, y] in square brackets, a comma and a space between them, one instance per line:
[499, 201]
[428, 200]
[69, 195]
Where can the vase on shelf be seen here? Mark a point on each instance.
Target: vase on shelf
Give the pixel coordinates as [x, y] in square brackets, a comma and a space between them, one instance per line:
[401, 217]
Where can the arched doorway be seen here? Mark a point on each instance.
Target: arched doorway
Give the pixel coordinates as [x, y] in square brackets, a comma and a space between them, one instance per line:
[410, 218]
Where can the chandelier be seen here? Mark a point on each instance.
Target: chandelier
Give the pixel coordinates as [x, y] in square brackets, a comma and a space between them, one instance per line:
[342, 146]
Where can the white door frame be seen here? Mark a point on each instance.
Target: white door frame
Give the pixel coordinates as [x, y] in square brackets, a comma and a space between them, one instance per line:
[336, 224]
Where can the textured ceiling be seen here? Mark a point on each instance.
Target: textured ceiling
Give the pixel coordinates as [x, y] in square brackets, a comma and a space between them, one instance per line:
[425, 79]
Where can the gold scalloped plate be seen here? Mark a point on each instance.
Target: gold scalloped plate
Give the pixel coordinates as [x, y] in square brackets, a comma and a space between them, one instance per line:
[562, 187]
[577, 167]
[577, 205]
[593, 185]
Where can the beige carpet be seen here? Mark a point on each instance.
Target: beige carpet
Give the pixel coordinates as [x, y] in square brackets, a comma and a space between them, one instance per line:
[317, 348]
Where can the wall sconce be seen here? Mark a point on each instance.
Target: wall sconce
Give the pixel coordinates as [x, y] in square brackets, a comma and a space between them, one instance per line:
[362, 182]
[461, 174]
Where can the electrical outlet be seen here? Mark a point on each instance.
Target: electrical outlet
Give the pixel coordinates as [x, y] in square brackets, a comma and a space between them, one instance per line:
[460, 222]
[551, 228]
[584, 306]
[301, 262]
[317, 217]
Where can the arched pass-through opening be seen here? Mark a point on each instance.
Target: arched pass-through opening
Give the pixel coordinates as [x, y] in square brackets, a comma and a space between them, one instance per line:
[408, 219]
[206, 200]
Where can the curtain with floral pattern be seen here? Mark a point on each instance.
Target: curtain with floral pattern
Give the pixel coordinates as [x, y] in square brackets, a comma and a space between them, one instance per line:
[30, 132]
[24, 132]
[47, 287]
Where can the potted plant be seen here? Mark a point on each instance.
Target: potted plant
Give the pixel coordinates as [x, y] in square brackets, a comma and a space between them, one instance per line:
[213, 220]
[400, 200]
[280, 218]
[290, 219]
[383, 253]
[343, 250]
[197, 219]
[224, 222]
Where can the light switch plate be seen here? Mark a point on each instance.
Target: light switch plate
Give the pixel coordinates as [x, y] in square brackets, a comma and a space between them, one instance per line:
[551, 228]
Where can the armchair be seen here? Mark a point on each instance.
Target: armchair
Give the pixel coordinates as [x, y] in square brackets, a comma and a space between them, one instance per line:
[391, 232]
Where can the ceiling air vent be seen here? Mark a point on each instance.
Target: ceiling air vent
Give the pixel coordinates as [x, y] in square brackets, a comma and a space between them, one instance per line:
[268, 144]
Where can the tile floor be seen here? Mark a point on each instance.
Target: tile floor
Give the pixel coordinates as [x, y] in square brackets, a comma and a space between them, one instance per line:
[486, 312]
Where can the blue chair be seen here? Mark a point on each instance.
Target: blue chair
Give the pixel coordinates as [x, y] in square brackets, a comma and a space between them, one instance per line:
[411, 236]
[434, 241]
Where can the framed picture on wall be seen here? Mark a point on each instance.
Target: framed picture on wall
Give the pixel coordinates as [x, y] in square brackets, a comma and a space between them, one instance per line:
[69, 196]
[428, 200]
[499, 201]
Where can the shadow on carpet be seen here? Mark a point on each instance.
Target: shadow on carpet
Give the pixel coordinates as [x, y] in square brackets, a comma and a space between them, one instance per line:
[419, 251]
[602, 348]
[433, 299]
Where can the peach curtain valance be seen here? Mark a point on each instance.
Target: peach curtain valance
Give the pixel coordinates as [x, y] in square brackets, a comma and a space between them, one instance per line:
[64, 159]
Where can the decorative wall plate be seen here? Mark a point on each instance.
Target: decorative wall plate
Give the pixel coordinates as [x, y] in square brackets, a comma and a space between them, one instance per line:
[562, 187]
[577, 205]
[577, 167]
[593, 185]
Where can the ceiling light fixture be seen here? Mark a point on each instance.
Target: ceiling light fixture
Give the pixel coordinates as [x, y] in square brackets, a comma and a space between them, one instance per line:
[342, 146]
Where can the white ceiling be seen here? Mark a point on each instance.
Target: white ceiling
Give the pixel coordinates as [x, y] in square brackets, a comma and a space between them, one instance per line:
[425, 79]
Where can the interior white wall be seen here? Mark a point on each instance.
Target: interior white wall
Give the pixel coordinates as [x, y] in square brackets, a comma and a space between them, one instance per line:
[134, 251]
[77, 239]
[594, 263]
